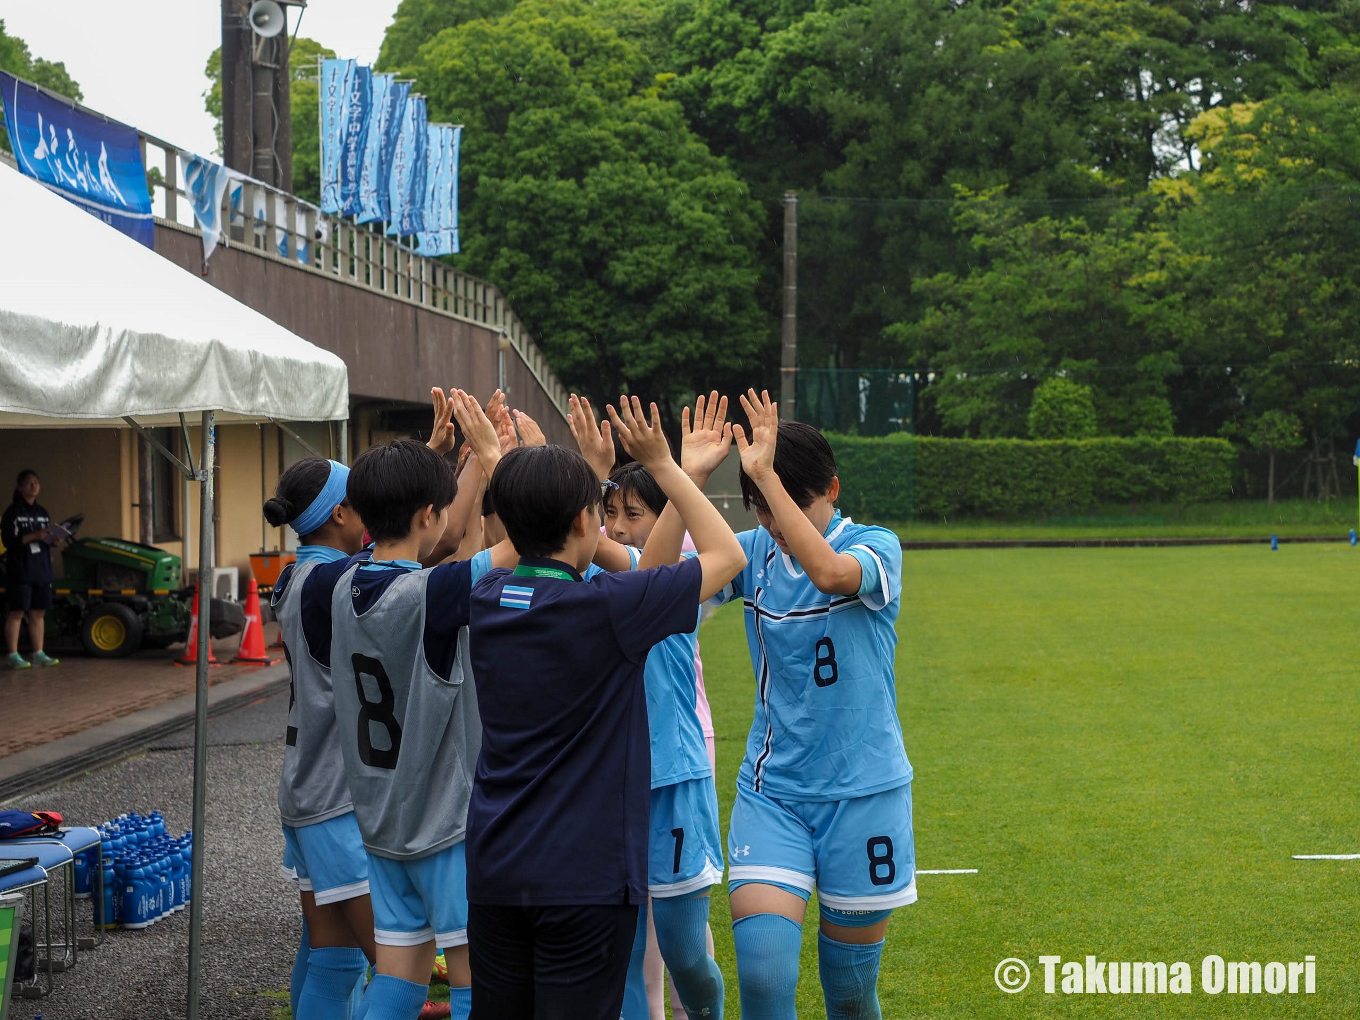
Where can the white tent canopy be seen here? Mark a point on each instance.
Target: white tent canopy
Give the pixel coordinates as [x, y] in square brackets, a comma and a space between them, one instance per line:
[94, 326]
[97, 329]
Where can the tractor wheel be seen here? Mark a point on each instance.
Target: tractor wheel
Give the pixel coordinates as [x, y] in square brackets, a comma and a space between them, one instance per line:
[110, 631]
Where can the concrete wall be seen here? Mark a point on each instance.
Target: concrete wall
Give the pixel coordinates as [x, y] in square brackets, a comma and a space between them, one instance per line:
[395, 350]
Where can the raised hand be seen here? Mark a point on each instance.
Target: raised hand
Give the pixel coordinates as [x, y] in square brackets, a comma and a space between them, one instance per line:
[757, 452]
[641, 438]
[442, 433]
[477, 428]
[529, 433]
[495, 407]
[595, 441]
[704, 446]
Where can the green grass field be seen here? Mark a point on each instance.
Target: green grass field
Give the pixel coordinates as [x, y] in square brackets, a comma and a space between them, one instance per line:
[1129, 745]
[1231, 519]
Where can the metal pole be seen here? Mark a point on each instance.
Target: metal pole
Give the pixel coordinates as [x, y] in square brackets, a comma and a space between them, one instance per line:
[344, 442]
[264, 495]
[205, 540]
[788, 350]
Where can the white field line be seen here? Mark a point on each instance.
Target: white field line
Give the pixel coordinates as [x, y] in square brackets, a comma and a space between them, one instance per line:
[1327, 857]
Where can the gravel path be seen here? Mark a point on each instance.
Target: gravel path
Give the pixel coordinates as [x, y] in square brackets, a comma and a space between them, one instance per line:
[251, 920]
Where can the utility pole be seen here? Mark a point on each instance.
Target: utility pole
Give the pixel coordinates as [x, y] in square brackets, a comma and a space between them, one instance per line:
[788, 350]
[257, 134]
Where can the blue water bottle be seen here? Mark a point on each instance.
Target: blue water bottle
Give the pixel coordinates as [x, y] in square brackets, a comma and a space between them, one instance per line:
[163, 894]
[187, 852]
[134, 899]
[110, 895]
[178, 873]
[1274, 543]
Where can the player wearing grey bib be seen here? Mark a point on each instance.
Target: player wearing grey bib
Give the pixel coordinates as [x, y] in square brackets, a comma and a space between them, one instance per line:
[323, 851]
[312, 787]
[410, 733]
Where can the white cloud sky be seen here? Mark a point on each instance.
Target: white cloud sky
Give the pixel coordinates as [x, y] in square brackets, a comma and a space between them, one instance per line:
[143, 63]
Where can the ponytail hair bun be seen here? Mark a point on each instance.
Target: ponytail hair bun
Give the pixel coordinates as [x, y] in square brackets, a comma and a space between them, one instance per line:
[278, 511]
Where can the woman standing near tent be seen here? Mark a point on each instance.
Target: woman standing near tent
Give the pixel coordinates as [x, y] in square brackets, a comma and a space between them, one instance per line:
[25, 529]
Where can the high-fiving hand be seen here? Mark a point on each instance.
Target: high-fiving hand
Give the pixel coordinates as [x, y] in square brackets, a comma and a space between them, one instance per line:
[477, 428]
[705, 446]
[595, 440]
[757, 452]
[642, 438]
[442, 433]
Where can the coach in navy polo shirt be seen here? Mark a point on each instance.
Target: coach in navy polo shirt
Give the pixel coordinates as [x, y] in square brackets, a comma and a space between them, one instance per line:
[557, 827]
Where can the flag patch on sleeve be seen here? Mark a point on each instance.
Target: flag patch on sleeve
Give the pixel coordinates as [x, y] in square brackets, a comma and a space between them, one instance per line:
[516, 597]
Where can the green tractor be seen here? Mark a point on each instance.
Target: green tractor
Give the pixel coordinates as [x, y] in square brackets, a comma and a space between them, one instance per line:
[116, 597]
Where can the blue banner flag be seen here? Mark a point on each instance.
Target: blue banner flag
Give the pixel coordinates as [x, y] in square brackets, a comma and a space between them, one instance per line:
[373, 175]
[336, 82]
[401, 95]
[354, 138]
[89, 160]
[204, 183]
[440, 236]
[407, 193]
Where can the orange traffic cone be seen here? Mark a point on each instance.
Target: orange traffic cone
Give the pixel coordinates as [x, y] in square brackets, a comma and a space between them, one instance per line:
[252, 638]
[190, 656]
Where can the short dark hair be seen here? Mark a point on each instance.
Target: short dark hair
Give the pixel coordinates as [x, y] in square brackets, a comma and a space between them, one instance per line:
[390, 482]
[537, 492]
[296, 490]
[488, 504]
[635, 480]
[804, 462]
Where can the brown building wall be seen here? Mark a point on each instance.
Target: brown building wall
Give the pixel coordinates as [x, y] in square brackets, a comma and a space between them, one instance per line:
[395, 350]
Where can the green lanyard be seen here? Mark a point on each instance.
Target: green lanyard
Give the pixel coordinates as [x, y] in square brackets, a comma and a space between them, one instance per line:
[523, 571]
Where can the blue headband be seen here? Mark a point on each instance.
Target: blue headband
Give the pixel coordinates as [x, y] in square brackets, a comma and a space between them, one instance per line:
[332, 494]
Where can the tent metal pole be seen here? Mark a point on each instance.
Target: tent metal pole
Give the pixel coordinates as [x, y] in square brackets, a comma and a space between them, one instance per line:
[344, 442]
[205, 540]
[300, 441]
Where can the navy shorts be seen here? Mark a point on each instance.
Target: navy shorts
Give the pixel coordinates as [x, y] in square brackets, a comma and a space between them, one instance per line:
[20, 596]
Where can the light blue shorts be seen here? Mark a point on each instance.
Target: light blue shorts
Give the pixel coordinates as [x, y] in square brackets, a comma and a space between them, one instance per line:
[416, 901]
[684, 852]
[327, 859]
[858, 854]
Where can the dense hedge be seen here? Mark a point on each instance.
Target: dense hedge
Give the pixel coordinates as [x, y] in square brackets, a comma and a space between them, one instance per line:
[901, 477]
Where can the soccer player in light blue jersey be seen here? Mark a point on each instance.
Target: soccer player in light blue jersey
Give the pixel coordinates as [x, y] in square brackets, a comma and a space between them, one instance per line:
[824, 791]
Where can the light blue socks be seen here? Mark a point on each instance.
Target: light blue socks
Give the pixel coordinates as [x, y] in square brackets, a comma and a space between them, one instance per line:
[460, 1002]
[767, 965]
[849, 978]
[332, 974]
[299, 968]
[391, 998]
[682, 936]
[635, 988]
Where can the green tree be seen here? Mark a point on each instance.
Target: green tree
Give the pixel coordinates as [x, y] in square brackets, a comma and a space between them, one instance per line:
[1274, 218]
[1061, 409]
[1048, 296]
[416, 22]
[1275, 432]
[305, 105]
[619, 239]
[18, 61]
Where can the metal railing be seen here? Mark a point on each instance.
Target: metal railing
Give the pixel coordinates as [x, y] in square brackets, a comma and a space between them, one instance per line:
[277, 225]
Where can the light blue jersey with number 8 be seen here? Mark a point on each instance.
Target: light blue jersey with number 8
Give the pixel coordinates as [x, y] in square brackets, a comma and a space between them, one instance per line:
[826, 725]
